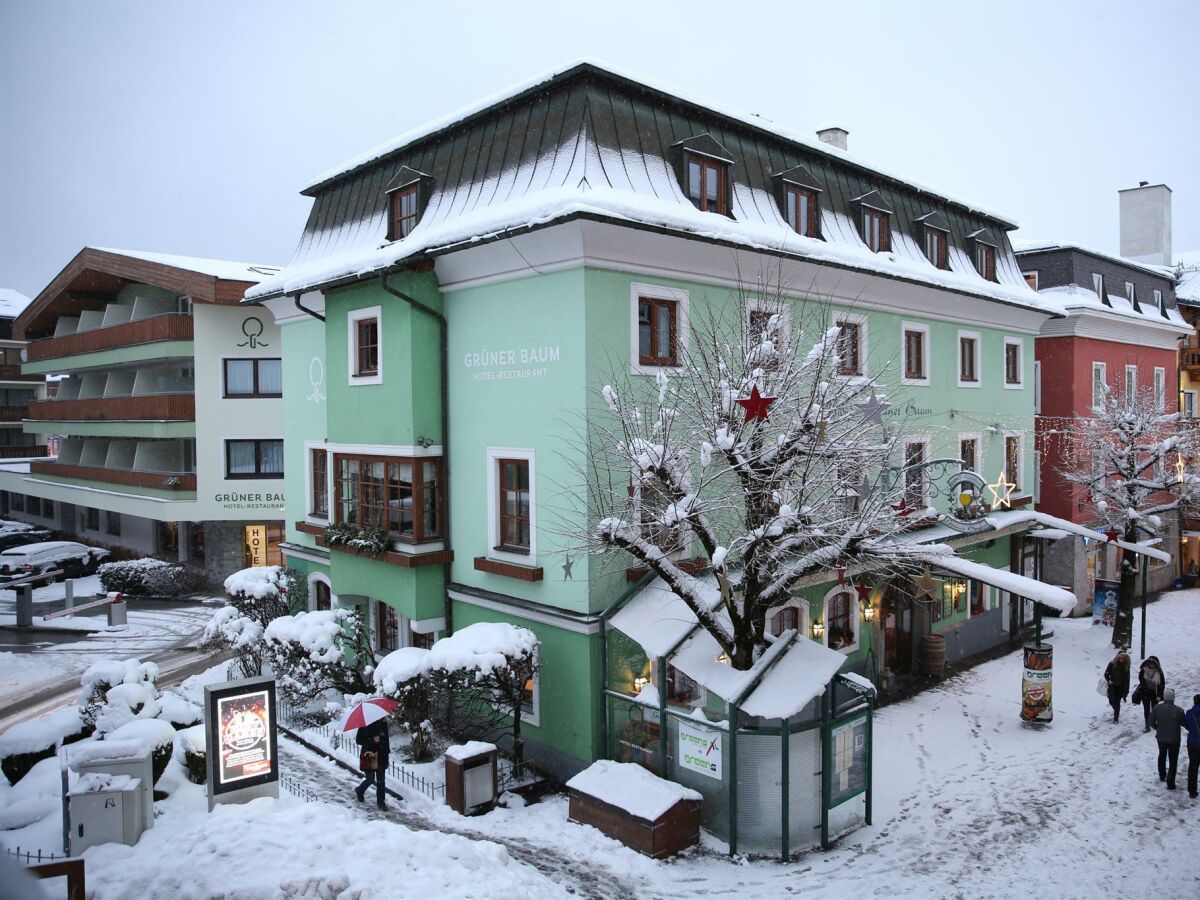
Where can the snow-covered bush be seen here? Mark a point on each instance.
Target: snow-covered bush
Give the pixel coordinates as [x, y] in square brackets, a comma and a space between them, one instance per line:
[399, 676]
[256, 596]
[154, 735]
[101, 677]
[38, 795]
[191, 752]
[314, 652]
[27, 743]
[486, 668]
[150, 577]
[179, 712]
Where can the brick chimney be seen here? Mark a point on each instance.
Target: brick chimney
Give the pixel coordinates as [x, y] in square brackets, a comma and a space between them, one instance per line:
[835, 135]
[1146, 223]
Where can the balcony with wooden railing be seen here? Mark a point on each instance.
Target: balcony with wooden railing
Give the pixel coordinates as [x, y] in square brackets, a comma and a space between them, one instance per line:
[1189, 358]
[12, 372]
[169, 327]
[13, 413]
[25, 451]
[146, 408]
[167, 481]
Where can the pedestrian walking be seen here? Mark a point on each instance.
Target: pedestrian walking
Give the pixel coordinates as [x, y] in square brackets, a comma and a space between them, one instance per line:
[1192, 719]
[1116, 676]
[373, 739]
[1168, 721]
[1151, 684]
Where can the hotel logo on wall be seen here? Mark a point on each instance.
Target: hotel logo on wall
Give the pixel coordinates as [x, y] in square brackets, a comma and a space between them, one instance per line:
[252, 328]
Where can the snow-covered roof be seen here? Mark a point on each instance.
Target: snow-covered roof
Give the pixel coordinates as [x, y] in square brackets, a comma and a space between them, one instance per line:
[1037, 245]
[782, 681]
[598, 145]
[12, 302]
[1075, 297]
[1187, 289]
[217, 268]
[755, 121]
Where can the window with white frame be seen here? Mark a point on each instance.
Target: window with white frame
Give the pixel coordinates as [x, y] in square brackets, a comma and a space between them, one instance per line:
[969, 361]
[793, 615]
[1130, 384]
[1158, 303]
[1031, 279]
[851, 345]
[968, 452]
[1098, 287]
[1037, 388]
[916, 452]
[1013, 458]
[364, 345]
[758, 320]
[841, 620]
[1130, 293]
[531, 696]
[1099, 384]
[1014, 362]
[914, 345]
[512, 505]
[1189, 404]
[1160, 388]
[658, 327]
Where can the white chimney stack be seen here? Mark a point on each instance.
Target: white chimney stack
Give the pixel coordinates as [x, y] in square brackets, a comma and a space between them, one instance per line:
[835, 135]
[1146, 224]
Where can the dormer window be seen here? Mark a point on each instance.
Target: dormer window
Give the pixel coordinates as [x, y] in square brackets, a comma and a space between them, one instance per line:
[407, 195]
[706, 183]
[1159, 305]
[802, 211]
[403, 212]
[1098, 287]
[937, 247]
[985, 261]
[876, 231]
[1131, 295]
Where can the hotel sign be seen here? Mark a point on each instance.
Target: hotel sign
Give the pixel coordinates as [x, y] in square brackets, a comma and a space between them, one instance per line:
[510, 364]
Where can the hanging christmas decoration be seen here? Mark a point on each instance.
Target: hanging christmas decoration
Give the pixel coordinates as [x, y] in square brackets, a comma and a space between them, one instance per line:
[902, 508]
[1002, 490]
[926, 585]
[873, 408]
[1112, 534]
[841, 575]
[864, 592]
[755, 405]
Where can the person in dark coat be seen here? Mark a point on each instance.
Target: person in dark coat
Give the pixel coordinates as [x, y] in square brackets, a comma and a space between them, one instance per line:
[1151, 684]
[1117, 678]
[374, 737]
[1168, 721]
[1191, 719]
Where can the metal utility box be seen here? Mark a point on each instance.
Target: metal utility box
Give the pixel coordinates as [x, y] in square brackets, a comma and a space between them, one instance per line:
[137, 766]
[106, 809]
[471, 777]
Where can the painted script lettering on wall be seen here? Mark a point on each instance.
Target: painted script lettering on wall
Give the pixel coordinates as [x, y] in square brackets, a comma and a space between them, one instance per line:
[510, 364]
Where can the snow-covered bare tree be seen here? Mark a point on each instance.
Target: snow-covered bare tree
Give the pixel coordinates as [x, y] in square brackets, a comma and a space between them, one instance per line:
[1130, 459]
[765, 449]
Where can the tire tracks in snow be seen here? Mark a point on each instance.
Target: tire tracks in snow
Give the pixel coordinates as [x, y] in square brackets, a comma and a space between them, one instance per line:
[330, 784]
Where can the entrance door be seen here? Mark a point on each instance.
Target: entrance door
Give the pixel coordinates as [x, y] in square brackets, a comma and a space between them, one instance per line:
[897, 630]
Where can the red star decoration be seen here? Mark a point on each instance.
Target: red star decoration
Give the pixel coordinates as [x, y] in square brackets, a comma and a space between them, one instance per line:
[841, 574]
[864, 592]
[902, 508]
[756, 404]
[1112, 534]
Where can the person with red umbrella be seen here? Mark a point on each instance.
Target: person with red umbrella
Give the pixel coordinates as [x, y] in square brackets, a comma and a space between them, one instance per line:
[371, 719]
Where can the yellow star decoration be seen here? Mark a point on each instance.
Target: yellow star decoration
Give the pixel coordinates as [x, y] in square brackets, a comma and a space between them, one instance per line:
[1002, 490]
[926, 585]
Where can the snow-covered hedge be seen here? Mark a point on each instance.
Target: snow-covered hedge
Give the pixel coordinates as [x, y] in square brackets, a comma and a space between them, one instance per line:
[481, 649]
[258, 583]
[179, 712]
[154, 735]
[127, 704]
[191, 752]
[150, 577]
[256, 596]
[314, 652]
[36, 796]
[27, 743]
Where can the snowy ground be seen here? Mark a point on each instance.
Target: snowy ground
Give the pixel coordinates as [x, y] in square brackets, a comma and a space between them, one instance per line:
[969, 804]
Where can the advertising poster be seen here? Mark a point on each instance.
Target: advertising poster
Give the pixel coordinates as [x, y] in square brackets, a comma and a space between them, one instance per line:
[1104, 602]
[700, 750]
[849, 771]
[240, 735]
[1036, 684]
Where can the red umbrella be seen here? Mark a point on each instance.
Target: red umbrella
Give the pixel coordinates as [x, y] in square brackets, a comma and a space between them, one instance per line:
[370, 710]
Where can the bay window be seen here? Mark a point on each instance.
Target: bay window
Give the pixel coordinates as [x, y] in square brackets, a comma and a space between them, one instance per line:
[394, 494]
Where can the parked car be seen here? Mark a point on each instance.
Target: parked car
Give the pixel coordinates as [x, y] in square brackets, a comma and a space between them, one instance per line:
[14, 537]
[69, 557]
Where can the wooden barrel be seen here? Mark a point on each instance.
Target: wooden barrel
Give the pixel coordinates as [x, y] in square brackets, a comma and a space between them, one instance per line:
[931, 656]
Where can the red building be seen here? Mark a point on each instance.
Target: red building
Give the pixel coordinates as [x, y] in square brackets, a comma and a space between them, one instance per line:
[1122, 332]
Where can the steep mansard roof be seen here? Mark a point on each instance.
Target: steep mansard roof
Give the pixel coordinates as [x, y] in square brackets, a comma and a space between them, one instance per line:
[588, 142]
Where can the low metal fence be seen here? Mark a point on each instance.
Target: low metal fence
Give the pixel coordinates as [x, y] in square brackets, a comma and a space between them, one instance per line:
[31, 858]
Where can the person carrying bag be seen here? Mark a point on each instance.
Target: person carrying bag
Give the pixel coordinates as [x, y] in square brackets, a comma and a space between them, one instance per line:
[373, 759]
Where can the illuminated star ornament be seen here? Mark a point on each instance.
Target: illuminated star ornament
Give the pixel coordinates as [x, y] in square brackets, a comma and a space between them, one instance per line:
[872, 409]
[1002, 490]
[926, 585]
[756, 405]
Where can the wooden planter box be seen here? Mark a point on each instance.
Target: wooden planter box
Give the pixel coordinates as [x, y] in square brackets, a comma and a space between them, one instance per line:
[675, 830]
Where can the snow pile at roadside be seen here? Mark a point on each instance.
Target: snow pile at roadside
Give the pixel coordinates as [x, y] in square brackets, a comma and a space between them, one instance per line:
[259, 582]
[319, 633]
[280, 848]
[482, 648]
[629, 787]
[37, 734]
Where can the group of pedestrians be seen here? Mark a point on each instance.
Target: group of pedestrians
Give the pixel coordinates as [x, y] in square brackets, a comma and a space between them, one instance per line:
[1160, 712]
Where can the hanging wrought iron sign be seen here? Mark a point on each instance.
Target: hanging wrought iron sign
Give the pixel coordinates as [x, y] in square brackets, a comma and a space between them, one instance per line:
[960, 489]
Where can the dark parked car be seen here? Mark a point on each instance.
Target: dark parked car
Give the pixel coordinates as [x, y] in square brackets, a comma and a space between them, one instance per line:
[13, 538]
[69, 557]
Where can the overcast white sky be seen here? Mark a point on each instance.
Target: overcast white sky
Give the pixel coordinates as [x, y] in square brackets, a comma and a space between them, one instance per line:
[189, 127]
